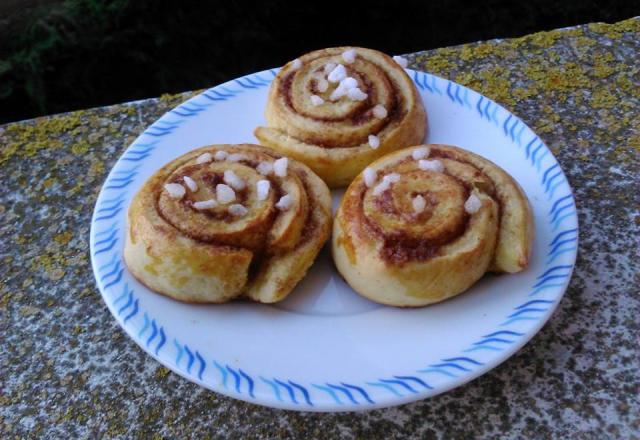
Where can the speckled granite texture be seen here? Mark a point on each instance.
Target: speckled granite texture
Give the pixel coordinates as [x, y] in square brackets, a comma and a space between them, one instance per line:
[68, 371]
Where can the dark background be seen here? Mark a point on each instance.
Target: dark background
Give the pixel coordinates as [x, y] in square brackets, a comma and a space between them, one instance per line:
[64, 55]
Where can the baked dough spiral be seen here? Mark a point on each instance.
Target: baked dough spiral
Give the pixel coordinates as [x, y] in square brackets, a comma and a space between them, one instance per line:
[225, 221]
[425, 223]
[337, 128]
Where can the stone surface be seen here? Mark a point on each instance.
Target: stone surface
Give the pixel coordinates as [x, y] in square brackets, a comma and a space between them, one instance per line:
[68, 371]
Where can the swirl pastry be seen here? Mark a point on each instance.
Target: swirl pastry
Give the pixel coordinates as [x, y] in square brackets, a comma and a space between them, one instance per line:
[227, 220]
[425, 223]
[339, 109]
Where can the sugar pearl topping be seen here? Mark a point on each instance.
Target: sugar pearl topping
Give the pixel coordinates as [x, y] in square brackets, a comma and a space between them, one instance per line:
[349, 82]
[349, 56]
[225, 194]
[346, 84]
[280, 167]
[392, 177]
[191, 184]
[431, 165]
[285, 202]
[296, 64]
[236, 157]
[264, 168]
[233, 180]
[329, 67]
[337, 94]
[420, 153]
[316, 100]
[237, 210]
[381, 187]
[473, 204]
[386, 183]
[221, 155]
[204, 158]
[419, 203]
[322, 85]
[262, 189]
[401, 60]
[205, 204]
[337, 74]
[370, 176]
[374, 141]
[356, 94]
[379, 111]
[175, 190]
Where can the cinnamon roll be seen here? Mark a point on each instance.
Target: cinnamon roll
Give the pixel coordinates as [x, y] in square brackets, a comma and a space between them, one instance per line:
[423, 224]
[339, 109]
[226, 221]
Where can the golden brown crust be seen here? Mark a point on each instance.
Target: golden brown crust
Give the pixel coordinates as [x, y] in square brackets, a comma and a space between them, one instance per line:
[332, 138]
[211, 255]
[516, 221]
[392, 254]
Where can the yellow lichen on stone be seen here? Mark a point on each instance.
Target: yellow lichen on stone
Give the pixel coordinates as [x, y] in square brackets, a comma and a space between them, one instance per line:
[80, 148]
[611, 121]
[616, 30]
[470, 52]
[162, 372]
[167, 97]
[438, 63]
[496, 85]
[63, 238]
[131, 110]
[51, 264]
[4, 300]
[49, 181]
[466, 79]
[172, 100]
[524, 93]
[570, 76]
[603, 98]
[42, 133]
[96, 168]
[603, 70]
[79, 186]
[628, 25]
[623, 81]
[558, 79]
[583, 42]
[541, 39]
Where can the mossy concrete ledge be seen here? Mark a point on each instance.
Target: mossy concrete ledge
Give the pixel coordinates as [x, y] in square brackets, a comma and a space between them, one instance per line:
[68, 371]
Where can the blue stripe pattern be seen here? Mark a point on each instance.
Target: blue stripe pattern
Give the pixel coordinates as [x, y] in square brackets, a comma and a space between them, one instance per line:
[107, 243]
[236, 378]
[454, 94]
[108, 226]
[224, 374]
[294, 392]
[192, 356]
[249, 381]
[564, 242]
[274, 388]
[450, 366]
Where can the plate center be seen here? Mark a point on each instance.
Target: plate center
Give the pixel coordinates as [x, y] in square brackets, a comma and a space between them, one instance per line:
[323, 292]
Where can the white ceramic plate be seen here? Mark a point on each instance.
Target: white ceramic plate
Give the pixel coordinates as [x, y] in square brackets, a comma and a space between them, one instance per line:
[325, 348]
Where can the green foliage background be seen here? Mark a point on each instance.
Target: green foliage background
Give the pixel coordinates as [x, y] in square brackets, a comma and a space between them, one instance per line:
[55, 41]
[70, 54]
